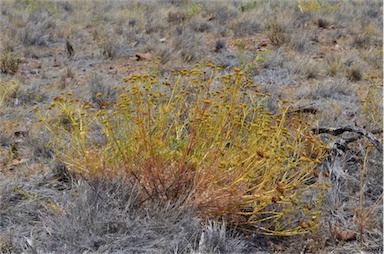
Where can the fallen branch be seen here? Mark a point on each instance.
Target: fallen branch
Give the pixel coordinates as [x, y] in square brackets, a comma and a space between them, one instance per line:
[337, 131]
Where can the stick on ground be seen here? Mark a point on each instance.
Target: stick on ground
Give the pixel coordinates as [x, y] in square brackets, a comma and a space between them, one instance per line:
[337, 131]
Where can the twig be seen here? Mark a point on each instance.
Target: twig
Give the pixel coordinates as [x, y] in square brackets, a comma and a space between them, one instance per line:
[337, 131]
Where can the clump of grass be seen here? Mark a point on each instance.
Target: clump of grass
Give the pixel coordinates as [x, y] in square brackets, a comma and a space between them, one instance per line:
[66, 6]
[246, 26]
[354, 73]
[9, 64]
[39, 27]
[301, 42]
[200, 26]
[193, 9]
[372, 104]
[362, 41]
[311, 71]
[334, 65]
[68, 74]
[186, 44]
[201, 135]
[308, 5]
[107, 48]
[322, 23]
[101, 94]
[29, 5]
[176, 17]
[247, 6]
[7, 90]
[276, 31]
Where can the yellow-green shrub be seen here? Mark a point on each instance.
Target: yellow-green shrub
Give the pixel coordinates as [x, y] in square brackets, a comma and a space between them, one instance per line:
[203, 135]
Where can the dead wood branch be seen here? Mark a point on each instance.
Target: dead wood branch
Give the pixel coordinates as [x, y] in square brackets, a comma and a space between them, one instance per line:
[338, 131]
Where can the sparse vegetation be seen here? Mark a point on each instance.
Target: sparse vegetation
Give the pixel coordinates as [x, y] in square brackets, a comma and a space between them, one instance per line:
[202, 125]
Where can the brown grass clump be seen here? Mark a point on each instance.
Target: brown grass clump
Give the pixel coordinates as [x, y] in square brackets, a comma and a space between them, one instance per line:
[202, 135]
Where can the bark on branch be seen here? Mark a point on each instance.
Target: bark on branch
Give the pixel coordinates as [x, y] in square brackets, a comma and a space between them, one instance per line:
[337, 131]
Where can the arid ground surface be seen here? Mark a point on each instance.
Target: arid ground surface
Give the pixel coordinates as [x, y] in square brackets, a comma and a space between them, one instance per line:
[324, 57]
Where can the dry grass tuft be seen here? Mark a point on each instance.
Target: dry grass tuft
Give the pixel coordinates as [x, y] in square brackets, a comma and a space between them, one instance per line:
[354, 73]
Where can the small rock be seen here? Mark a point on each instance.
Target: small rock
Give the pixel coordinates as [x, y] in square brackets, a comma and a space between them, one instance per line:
[176, 17]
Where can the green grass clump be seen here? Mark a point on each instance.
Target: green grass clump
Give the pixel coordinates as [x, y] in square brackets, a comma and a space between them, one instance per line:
[202, 135]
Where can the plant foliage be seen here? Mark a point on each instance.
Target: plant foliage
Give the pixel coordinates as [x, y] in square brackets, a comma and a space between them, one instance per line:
[203, 135]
